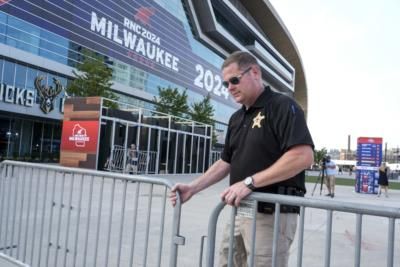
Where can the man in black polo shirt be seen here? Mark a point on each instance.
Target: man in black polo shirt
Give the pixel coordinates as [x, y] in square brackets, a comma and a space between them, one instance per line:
[267, 148]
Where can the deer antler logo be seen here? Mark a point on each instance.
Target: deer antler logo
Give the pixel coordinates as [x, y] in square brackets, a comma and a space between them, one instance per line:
[47, 94]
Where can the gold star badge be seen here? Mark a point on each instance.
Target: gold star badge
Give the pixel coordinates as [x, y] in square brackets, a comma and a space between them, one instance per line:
[257, 120]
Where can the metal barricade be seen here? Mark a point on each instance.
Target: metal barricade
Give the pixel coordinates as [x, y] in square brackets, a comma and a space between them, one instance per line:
[58, 216]
[329, 206]
[119, 162]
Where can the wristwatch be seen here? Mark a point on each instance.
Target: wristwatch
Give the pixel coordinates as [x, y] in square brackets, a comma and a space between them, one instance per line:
[249, 182]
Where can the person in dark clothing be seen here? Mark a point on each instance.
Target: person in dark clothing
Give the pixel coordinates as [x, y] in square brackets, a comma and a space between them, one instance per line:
[383, 179]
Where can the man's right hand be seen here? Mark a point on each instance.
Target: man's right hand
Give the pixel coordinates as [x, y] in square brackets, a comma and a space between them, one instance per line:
[185, 192]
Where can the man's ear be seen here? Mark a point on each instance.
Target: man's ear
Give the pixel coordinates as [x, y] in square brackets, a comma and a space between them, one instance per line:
[256, 71]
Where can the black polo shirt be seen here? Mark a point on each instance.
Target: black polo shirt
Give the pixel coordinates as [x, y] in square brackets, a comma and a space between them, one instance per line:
[259, 136]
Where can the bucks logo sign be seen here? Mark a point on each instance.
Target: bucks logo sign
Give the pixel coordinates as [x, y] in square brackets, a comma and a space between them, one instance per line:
[47, 93]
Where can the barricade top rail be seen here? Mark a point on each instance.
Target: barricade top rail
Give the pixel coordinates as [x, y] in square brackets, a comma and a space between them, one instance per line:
[113, 175]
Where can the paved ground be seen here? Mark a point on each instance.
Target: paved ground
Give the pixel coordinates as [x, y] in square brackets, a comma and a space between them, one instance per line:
[196, 212]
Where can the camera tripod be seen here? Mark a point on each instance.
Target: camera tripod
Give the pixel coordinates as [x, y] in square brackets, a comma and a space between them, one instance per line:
[321, 177]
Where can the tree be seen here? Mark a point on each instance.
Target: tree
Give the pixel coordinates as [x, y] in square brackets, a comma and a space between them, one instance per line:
[171, 101]
[319, 155]
[93, 78]
[203, 111]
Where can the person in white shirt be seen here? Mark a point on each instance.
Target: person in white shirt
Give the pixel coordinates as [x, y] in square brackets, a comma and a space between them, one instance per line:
[330, 172]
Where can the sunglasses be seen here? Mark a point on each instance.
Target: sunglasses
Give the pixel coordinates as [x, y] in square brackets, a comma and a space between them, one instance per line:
[235, 80]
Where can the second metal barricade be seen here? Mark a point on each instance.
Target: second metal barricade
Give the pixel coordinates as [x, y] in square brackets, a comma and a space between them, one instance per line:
[57, 216]
[388, 214]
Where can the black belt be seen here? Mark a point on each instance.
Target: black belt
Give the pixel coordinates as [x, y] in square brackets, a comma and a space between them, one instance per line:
[269, 208]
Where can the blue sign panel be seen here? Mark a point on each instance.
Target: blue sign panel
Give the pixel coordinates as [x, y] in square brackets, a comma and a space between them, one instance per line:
[369, 158]
[139, 33]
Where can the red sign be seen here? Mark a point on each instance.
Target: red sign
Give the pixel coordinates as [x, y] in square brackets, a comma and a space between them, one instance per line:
[144, 14]
[369, 140]
[80, 136]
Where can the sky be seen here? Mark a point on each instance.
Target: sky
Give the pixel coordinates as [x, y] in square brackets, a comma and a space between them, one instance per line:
[350, 51]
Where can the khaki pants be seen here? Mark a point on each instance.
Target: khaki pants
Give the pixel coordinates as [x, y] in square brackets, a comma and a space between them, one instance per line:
[330, 183]
[264, 237]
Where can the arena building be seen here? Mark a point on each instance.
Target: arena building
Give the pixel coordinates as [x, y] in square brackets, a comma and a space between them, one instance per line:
[147, 43]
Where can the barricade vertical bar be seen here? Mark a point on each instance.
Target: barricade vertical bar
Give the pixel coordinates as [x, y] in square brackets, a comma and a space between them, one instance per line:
[21, 211]
[78, 219]
[175, 232]
[276, 232]
[134, 224]
[46, 180]
[212, 225]
[160, 241]
[98, 221]
[148, 217]
[328, 238]
[88, 220]
[51, 217]
[201, 250]
[253, 234]
[5, 217]
[357, 255]
[30, 177]
[2, 193]
[6, 202]
[121, 226]
[110, 221]
[232, 222]
[16, 194]
[35, 214]
[59, 219]
[4, 208]
[301, 237]
[69, 207]
[391, 242]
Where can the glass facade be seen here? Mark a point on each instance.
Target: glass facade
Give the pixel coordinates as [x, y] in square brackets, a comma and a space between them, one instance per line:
[23, 137]
[196, 69]
[25, 36]
[29, 140]
[21, 75]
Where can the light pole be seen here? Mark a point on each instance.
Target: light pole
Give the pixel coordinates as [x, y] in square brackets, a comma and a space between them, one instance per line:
[385, 150]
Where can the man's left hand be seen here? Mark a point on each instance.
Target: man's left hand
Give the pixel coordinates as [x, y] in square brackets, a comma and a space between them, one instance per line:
[235, 193]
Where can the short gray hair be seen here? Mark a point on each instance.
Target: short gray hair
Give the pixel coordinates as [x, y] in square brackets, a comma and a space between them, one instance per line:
[242, 58]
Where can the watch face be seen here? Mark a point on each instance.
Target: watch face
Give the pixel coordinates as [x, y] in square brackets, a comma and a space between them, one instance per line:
[248, 181]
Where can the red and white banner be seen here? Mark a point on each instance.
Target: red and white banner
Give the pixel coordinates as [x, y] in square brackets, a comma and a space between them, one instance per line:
[80, 136]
